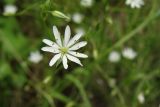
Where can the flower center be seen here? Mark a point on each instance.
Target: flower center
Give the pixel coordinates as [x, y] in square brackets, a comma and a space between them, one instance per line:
[63, 50]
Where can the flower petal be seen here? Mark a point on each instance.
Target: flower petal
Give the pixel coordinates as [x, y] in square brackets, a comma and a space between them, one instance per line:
[77, 54]
[78, 45]
[55, 45]
[65, 62]
[74, 39]
[57, 35]
[50, 49]
[67, 35]
[54, 59]
[48, 42]
[74, 59]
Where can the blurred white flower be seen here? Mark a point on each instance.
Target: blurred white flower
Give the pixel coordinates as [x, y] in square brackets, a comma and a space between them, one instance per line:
[65, 49]
[35, 57]
[10, 10]
[77, 18]
[80, 30]
[141, 98]
[114, 56]
[135, 3]
[129, 53]
[86, 3]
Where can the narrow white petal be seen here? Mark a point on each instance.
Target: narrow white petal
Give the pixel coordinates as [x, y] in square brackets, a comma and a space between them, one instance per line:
[54, 59]
[77, 54]
[74, 39]
[74, 59]
[48, 42]
[65, 62]
[67, 35]
[50, 49]
[57, 35]
[55, 45]
[78, 45]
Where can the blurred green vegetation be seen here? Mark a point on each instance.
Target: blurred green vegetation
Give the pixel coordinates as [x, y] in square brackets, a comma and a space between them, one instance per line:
[109, 25]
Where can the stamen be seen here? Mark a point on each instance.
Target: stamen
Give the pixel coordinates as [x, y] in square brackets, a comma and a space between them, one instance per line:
[63, 50]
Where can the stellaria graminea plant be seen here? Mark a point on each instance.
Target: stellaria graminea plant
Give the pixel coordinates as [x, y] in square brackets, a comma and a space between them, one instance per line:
[10, 10]
[129, 53]
[114, 57]
[35, 57]
[135, 3]
[65, 49]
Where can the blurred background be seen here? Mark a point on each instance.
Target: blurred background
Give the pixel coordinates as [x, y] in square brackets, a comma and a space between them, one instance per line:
[123, 64]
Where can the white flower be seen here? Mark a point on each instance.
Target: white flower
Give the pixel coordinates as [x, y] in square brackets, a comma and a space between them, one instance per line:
[80, 30]
[129, 53]
[135, 3]
[65, 49]
[114, 56]
[35, 57]
[10, 10]
[77, 18]
[141, 98]
[86, 3]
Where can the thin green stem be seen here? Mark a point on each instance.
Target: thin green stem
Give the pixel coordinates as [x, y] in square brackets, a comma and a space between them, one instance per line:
[81, 89]
[22, 63]
[152, 15]
[119, 93]
[45, 95]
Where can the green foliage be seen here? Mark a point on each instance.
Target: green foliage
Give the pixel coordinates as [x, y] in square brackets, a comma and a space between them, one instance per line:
[109, 25]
